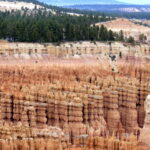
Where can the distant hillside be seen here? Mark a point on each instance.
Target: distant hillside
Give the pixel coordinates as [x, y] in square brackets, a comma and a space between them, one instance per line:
[113, 8]
[79, 2]
[34, 5]
[128, 27]
[18, 5]
[28, 1]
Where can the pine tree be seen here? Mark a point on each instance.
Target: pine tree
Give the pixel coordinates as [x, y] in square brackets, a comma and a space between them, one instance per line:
[111, 36]
[131, 40]
[142, 38]
[103, 33]
[121, 36]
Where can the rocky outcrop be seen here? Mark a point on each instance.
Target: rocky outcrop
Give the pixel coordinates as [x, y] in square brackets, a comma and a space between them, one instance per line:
[30, 50]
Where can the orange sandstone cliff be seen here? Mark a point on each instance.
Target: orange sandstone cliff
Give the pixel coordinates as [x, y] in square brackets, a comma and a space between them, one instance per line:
[62, 104]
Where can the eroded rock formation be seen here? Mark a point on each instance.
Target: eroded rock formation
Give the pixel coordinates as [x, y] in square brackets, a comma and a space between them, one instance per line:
[145, 132]
[16, 137]
[85, 102]
[36, 50]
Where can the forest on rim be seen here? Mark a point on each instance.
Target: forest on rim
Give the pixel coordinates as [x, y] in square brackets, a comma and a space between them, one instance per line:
[43, 26]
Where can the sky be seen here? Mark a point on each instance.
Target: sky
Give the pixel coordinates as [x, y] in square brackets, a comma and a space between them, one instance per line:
[136, 1]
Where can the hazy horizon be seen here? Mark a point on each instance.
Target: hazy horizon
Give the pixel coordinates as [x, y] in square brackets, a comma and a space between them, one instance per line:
[67, 2]
[136, 1]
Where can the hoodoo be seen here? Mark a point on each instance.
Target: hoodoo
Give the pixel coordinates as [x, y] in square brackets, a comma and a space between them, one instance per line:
[95, 109]
[145, 132]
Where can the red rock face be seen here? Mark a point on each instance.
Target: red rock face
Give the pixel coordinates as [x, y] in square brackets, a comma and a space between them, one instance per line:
[86, 103]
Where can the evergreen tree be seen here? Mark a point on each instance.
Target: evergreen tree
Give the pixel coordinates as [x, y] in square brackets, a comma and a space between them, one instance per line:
[121, 36]
[142, 38]
[103, 33]
[131, 40]
[111, 36]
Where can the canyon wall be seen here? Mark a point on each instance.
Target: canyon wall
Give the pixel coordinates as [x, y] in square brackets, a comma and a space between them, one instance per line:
[83, 101]
[72, 48]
